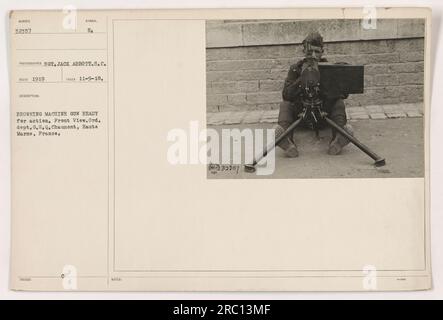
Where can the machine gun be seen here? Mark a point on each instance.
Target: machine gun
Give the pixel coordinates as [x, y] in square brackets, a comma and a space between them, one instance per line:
[336, 80]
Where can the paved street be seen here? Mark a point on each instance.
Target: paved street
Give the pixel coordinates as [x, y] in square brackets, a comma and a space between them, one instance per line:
[400, 141]
[375, 112]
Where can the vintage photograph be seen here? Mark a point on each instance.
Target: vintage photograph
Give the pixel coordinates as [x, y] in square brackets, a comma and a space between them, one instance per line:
[335, 98]
[126, 134]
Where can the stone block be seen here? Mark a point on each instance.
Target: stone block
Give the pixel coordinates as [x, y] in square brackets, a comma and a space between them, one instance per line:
[412, 56]
[235, 117]
[218, 118]
[271, 85]
[411, 28]
[216, 99]
[252, 116]
[394, 115]
[359, 116]
[263, 97]
[413, 114]
[237, 99]
[224, 35]
[377, 116]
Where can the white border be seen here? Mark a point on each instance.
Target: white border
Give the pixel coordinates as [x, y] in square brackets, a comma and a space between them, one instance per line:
[436, 149]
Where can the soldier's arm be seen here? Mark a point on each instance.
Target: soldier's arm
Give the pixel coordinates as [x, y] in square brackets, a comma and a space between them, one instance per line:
[291, 88]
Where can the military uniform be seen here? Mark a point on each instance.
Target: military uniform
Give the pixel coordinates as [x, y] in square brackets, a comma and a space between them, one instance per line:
[291, 105]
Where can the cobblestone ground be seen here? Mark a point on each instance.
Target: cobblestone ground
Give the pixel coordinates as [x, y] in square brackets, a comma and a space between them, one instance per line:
[398, 140]
[375, 112]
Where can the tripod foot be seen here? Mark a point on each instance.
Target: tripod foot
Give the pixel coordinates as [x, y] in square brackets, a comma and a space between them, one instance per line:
[380, 162]
[249, 168]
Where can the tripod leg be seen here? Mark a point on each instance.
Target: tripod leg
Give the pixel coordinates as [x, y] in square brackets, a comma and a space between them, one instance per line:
[269, 147]
[379, 161]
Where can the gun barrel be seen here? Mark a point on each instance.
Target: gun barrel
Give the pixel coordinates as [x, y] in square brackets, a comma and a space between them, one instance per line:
[379, 161]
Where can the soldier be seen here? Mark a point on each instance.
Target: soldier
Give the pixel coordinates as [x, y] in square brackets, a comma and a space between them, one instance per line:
[291, 106]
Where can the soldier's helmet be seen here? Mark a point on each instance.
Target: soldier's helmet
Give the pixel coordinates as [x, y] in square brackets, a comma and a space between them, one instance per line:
[313, 38]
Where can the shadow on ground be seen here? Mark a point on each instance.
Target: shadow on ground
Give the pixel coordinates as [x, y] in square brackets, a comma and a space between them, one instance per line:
[400, 141]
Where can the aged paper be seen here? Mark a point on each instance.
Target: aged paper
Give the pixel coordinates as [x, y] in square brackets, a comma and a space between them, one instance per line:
[97, 203]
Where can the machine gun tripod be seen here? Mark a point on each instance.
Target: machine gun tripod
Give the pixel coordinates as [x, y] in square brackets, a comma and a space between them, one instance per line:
[378, 161]
[314, 113]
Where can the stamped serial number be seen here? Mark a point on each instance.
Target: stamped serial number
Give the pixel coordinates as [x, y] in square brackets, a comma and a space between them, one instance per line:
[214, 168]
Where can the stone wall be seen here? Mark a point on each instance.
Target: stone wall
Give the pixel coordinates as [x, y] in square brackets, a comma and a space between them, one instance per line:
[247, 61]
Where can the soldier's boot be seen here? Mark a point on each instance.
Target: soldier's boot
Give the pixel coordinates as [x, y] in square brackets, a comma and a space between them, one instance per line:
[286, 144]
[340, 141]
